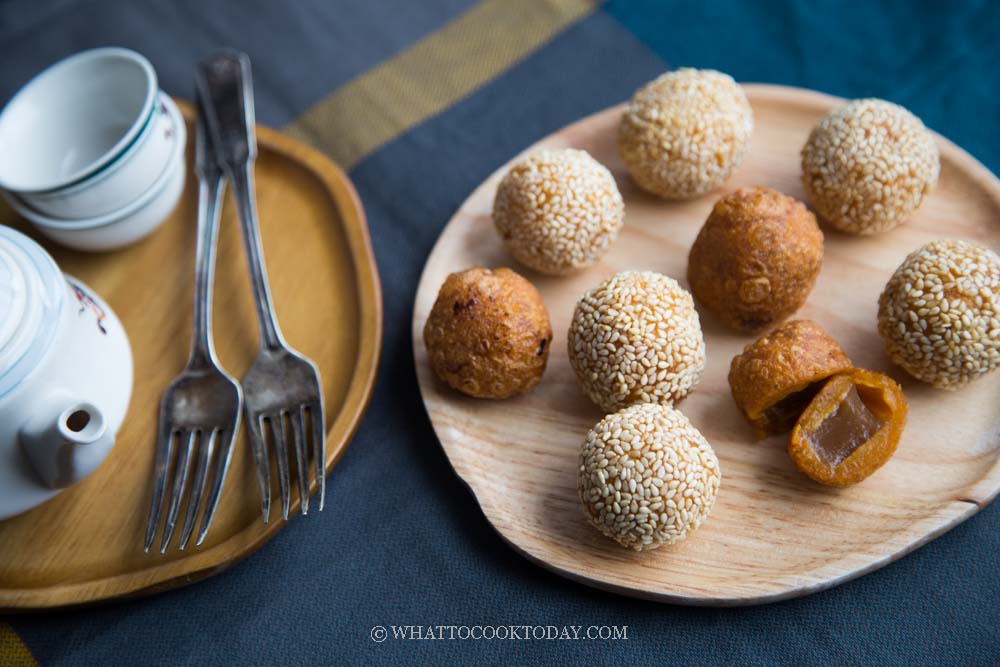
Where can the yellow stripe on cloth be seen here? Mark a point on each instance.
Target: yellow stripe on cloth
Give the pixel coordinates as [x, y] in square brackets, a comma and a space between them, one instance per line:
[13, 652]
[431, 75]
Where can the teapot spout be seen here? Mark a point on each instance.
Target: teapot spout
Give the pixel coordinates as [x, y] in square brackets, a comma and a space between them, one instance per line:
[65, 440]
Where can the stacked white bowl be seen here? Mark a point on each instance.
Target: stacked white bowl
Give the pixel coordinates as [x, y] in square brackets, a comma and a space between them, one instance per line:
[92, 152]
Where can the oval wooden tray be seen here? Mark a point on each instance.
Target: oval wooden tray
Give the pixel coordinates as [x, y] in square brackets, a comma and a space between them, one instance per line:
[86, 544]
[773, 533]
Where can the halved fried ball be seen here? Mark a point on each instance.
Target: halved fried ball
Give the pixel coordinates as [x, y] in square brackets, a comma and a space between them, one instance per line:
[850, 429]
[776, 376]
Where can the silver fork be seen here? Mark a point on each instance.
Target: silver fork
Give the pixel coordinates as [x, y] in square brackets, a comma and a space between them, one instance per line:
[201, 408]
[282, 388]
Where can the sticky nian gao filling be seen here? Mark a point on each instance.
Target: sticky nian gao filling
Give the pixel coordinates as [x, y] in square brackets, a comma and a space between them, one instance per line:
[782, 415]
[850, 425]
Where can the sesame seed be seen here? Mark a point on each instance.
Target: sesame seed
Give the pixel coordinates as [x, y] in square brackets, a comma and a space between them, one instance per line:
[636, 318]
[656, 510]
[953, 341]
[684, 133]
[867, 166]
[558, 211]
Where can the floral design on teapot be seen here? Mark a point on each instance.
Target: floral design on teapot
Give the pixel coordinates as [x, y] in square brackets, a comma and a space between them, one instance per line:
[88, 302]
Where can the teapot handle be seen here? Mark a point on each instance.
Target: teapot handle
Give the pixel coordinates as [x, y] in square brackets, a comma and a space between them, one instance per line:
[65, 439]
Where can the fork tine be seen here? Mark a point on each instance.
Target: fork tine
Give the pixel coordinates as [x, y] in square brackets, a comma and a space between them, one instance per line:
[319, 450]
[281, 458]
[255, 427]
[177, 492]
[205, 448]
[301, 457]
[161, 468]
[224, 440]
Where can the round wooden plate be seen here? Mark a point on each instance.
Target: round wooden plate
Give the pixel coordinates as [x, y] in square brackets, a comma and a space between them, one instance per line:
[773, 533]
[86, 544]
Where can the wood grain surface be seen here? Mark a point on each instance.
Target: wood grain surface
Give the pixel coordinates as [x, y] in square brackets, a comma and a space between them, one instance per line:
[86, 544]
[773, 533]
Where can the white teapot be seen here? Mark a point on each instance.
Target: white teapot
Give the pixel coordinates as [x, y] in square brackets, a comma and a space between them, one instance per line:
[65, 376]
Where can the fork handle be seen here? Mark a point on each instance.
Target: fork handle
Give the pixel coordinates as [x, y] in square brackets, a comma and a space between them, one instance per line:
[242, 182]
[226, 84]
[210, 191]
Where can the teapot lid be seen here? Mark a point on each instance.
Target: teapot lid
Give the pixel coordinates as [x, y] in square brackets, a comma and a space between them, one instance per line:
[32, 290]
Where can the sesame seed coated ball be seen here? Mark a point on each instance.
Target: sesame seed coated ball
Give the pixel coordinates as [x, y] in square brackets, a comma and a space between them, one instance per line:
[939, 315]
[685, 132]
[558, 211]
[636, 338]
[647, 476]
[867, 166]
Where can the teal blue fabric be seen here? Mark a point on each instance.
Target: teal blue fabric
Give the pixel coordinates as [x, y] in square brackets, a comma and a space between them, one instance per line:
[938, 59]
[402, 541]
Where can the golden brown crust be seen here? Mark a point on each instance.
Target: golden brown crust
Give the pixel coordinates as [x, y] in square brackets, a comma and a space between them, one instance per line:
[756, 258]
[883, 396]
[791, 359]
[488, 334]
